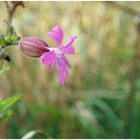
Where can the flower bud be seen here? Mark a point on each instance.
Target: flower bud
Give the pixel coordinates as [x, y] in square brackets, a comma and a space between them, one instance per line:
[33, 47]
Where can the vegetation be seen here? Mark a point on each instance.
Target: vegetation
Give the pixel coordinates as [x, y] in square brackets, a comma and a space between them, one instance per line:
[101, 98]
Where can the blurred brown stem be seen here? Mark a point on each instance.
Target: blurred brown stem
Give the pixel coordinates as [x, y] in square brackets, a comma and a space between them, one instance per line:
[10, 10]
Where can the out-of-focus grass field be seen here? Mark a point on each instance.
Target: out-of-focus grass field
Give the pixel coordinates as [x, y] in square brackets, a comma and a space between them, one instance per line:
[101, 97]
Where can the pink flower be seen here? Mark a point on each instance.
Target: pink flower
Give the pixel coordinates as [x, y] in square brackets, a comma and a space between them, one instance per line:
[56, 57]
[51, 57]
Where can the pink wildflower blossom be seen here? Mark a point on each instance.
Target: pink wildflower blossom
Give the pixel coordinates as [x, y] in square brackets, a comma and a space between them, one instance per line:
[51, 57]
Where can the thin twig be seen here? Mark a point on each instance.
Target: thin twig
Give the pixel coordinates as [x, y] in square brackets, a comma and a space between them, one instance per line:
[10, 10]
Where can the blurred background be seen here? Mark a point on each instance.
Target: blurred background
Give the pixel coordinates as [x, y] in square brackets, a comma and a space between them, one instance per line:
[102, 96]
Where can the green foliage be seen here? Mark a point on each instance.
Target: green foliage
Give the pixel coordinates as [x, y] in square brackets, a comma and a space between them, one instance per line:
[5, 106]
[4, 68]
[96, 101]
[6, 40]
[36, 135]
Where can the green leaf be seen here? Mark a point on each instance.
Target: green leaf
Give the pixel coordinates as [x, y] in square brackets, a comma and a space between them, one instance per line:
[6, 104]
[4, 69]
[6, 40]
[2, 39]
[35, 134]
[108, 111]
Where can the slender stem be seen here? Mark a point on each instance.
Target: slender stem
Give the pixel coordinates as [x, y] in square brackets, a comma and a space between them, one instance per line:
[10, 10]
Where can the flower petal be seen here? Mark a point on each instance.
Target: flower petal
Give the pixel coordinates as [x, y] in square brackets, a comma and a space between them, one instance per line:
[69, 48]
[66, 61]
[62, 68]
[48, 58]
[57, 35]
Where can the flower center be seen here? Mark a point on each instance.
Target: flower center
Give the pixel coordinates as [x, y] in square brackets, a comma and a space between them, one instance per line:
[58, 53]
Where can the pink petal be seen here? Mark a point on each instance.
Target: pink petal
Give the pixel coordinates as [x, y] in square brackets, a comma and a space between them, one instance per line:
[62, 68]
[69, 48]
[48, 58]
[57, 35]
[66, 62]
[61, 76]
